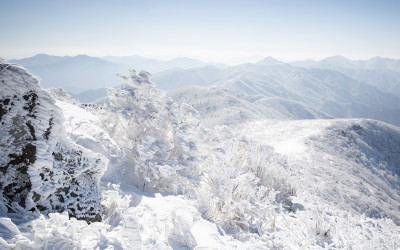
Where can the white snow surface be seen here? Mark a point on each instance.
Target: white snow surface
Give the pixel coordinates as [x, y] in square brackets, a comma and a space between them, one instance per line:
[351, 163]
[304, 184]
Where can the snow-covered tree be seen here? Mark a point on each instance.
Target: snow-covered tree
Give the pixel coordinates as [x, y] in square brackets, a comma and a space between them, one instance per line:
[156, 136]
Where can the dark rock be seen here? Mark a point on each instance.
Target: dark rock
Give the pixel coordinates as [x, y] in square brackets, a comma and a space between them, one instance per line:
[40, 168]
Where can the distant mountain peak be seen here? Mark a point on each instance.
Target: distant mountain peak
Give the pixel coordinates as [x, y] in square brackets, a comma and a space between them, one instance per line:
[337, 58]
[269, 61]
[41, 54]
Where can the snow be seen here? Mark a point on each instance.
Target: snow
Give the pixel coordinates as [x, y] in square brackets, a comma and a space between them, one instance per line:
[171, 183]
[286, 137]
[331, 160]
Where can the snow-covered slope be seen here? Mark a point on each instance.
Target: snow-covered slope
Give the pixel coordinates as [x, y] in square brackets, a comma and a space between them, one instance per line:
[290, 109]
[353, 164]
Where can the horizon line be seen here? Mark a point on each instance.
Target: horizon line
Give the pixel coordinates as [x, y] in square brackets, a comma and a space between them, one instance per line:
[170, 58]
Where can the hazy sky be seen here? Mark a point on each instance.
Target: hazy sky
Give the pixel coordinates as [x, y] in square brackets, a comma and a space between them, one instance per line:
[208, 30]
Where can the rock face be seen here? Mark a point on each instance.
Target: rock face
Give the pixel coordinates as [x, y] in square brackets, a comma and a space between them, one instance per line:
[40, 168]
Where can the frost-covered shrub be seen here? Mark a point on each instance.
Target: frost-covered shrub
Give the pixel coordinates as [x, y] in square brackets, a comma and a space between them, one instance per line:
[62, 95]
[156, 135]
[243, 183]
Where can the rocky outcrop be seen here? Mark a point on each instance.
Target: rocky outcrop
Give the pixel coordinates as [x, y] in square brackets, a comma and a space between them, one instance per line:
[40, 168]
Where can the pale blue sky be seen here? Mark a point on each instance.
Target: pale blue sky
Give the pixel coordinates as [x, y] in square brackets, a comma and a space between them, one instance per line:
[208, 30]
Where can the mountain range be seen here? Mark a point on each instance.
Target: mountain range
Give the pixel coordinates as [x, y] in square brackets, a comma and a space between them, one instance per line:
[293, 92]
[140, 170]
[383, 73]
[335, 87]
[81, 73]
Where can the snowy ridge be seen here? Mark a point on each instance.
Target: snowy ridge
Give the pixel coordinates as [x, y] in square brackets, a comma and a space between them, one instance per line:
[353, 164]
[173, 184]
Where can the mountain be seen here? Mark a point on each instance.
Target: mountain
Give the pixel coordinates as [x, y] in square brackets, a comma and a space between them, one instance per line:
[145, 170]
[219, 107]
[293, 92]
[187, 63]
[90, 95]
[156, 66]
[382, 73]
[377, 63]
[178, 78]
[84, 73]
[288, 109]
[38, 60]
[268, 61]
[136, 62]
[327, 91]
[74, 74]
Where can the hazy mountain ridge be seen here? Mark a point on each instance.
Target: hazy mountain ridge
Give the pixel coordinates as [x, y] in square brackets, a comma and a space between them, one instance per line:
[74, 74]
[302, 93]
[374, 63]
[383, 73]
[181, 78]
[219, 107]
[154, 66]
[81, 73]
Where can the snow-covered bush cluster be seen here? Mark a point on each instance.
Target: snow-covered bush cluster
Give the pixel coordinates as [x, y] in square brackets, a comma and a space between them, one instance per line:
[243, 183]
[155, 136]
